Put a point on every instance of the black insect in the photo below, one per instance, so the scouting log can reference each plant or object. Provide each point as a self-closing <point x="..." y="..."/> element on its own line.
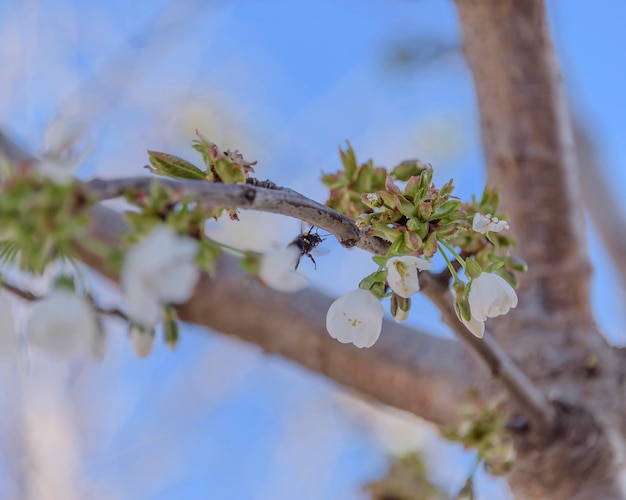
<point x="306" y="242"/>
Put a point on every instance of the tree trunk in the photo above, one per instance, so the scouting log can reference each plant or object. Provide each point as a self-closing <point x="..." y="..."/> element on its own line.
<point x="530" y="158"/>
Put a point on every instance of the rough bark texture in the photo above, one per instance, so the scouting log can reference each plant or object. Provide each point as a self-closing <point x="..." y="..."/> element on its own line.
<point x="529" y="153"/>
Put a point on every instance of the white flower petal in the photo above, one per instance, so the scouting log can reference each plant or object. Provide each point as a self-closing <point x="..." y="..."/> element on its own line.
<point x="278" y="270"/>
<point x="356" y="317"/>
<point x="56" y="171"/>
<point x="178" y="282"/>
<point x="141" y="341"/>
<point x="8" y="337"/>
<point x="402" y="274"/>
<point x="62" y="133"/>
<point x="475" y="326"/>
<point x="490" y="296"/>
<point x="63" y="150"/>
<point x="63" y="324"/>
<point x="401" y="315"/>
<point x="485" y="223"/>
<point x="160" y="269"/>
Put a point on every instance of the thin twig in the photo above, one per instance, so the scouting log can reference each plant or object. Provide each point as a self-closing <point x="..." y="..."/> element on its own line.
<point x="31" y="297"/>
<point x="281" y="201"/>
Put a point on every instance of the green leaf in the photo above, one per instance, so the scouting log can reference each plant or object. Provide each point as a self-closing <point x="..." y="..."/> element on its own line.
<point x="376" y="277"/>
<point x="228" y="172"/>
<point x="348" y="159"/>
<point x="445" y="209"/>
<point x="173" y="166"/>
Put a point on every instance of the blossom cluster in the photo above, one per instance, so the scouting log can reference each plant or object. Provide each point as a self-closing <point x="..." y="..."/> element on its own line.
<point x="44" y="216"/>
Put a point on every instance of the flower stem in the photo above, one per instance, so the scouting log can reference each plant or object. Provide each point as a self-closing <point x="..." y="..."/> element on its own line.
<point x="450" y="266"/>
<point x="450" y="249"/>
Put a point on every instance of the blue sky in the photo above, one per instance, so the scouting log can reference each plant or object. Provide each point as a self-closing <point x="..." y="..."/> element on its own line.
<point x="285" y="82"/>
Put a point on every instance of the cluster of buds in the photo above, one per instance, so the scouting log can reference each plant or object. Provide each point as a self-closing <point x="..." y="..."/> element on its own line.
<point x="483" y="428"/>
<point x="227" y="167"/>
<point x="419" y="220"/>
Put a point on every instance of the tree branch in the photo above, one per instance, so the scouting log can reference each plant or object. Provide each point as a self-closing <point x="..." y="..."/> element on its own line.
<point x="428" y="376"/>
<point x="599" y="200"/>
<point x="289" y="202"/>
<point x="107" y="227"/>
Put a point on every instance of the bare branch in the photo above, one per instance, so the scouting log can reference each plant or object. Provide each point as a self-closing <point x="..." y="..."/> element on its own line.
<point x="31" y="297"/>
<point x="599" y="200"/>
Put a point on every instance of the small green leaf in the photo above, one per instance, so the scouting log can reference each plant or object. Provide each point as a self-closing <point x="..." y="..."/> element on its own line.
<point x="445" y="209"/>
<point x="173" y="166"/>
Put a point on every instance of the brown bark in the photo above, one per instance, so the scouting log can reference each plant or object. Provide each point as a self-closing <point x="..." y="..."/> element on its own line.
<point x="528" y="148"/>
<point x="428" y="376"/>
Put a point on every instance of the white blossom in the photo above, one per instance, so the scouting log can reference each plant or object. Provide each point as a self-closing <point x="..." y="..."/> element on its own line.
<point x="142" y="341"/>
<point x="63" y="324"/>
<point x="402" y="274"/>
<point x="8" y="337"/>
<point x="485" y="223"/>
<point x="160" y="269"/>
<point x="490" y="296"/>
<point x="278" y="270"/>
<point x="63" y="152"/>
<point x="356" y="317"/>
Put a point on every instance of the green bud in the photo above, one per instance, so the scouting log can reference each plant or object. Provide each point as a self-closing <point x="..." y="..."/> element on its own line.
<point x="412" y="188"/>
<point x="464" y="309"/>
<point x="446" y="189"/>
<point x="517" y="264"/>
<point x="425" y="210"/>
<point x="170" y="327"/>
<point x="229" y="172"/>
<point x="376" y="277"/>
<point x="378" y="290"/>
<point x="208" y="253"/>
<point x="431" y="245"/>
<point x="348" y="159"/>
<point x="405" y="206"/>
<point x="472" y="269"/>
<point x="400" y="308"/>
<point x="494" y="266"/>
<point x="412" y="242"/>
<point x="445" y="209"/>
<point x="64" y="282"/>
<point x="408" y="169"/>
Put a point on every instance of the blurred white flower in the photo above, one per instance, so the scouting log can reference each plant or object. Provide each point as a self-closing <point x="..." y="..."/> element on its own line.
<point x="402" y="274"/>
<point x="485" y="223"/>
<point x="255" y="231"/>
<point x="63" y="150"/>
<point x="142" y="341"/>
<point x="8" y="337"/>
<point x="490" y="296"/>
<point x="63" y="324"/>
<point x="278" y="270"/>
<point x="356" y="317"/>
<point x="160" y="269"/>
